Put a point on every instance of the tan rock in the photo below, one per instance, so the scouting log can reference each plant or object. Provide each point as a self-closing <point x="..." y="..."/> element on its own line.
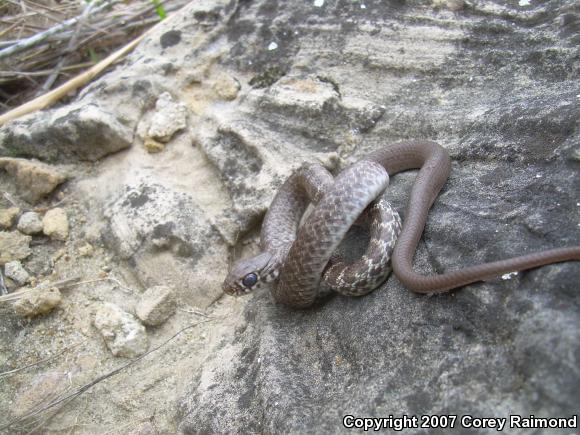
<point x="157" y="304"/>
<point x="37" y="302"/>
<point x="8" y="216"/>
<point x="13" y="246"/>
<point x="55" y="224"/>
<point x="226" y="87"/>
<point x="86" y="250"/>
<point x="152" y="146"/>
<point x="34" y="180"/>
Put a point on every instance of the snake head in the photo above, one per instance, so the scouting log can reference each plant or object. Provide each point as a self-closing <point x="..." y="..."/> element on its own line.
<point x="247" y="275"/>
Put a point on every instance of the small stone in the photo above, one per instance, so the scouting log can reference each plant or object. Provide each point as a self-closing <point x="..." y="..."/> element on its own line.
<point x="169" y="118"/>
<point x="55" y="224"/>
<point x="123" y="334"/>
<point x="30" y="223"/>
<point x="157" y="304"/>
<point x="152" y="146"/>
<point x="86" y="250"/>
<point x="226" y="87"/>
<point x="37" y="302"/>
<point x="16" y="272"/>
<point x="34" y="180"/>
<point x="13" y="246"/>
<point x="8" y="216"/>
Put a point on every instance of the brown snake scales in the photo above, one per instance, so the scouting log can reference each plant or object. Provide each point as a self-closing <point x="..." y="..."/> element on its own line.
<point x="299" y="258"/>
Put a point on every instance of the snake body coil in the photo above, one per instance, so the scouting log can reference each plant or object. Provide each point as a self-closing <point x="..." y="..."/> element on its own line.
<point x="300" y="260"/>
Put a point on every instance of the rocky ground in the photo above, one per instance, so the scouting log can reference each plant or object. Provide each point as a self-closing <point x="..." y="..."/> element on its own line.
<point x="126" y="207"/>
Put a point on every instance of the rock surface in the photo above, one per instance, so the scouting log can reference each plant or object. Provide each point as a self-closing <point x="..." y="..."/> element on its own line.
<point x="123" y="334"/>
<point x="34" y="180"/>
<point x="495" y="83"/>
<point x="157" y="304"/>
<point x="38" y="302"/>
<point x="347" y="80"/>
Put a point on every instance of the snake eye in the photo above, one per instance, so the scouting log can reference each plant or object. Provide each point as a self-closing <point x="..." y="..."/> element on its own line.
<point x="250" y="280"/>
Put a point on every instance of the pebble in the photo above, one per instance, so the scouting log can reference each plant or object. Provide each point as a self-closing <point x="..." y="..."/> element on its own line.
<point x="8" y="216"/>
<point x="157" y="304"/>
<point x="37" y="302"/>
<point x="16" y="272"/>
<point x="86" y="250"/>
<point x="123" y="334"/>
<point x="14" y="246"/>
<point x="30" y="223"/>
<point x="34" y="180"/>
<point x="55" y="224"/>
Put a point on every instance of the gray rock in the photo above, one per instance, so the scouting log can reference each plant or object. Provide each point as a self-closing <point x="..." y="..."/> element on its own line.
<point x="123" y="333"/>
<point x="156" y="305"/>
<point x="30" y="223"/>
<point x="16" y="272"/>
<point x="14" y="246"/>
<point x="507" y="112"/>
<point x="81" y="130"/>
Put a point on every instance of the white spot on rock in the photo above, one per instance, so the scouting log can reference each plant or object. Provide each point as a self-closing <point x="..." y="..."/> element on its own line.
<point x="170" y="117"/>
<point x="508" y="276"/>
<point x="524" y="2"/>
<point x="318" y="3"/>
<point x="272" y="46"/>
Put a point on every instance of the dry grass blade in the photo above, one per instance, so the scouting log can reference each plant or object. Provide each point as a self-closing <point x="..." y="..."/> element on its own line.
<point x="47" y="38"/>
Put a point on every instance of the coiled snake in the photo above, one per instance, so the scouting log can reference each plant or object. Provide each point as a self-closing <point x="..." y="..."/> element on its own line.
<point x="299" y="260"/>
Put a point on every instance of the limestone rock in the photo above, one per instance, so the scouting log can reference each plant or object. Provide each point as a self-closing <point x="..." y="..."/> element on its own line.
<point x="169" y="118"/>
<point x="8" y="216"/>
<point x="16" y="272"/>
<point x="55" y="224"/>
<point x="34" y="180"/>
<point x="38" y="302"/>
<point x="156" y="305"/>
<point x="123" y="334"/>
<point x="81" y="130"/>
<point x="30" y="223"/>
<point x="13" y="246"/>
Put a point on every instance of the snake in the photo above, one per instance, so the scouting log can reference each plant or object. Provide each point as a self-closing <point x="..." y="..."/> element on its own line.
<point x="297" y="258"/>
